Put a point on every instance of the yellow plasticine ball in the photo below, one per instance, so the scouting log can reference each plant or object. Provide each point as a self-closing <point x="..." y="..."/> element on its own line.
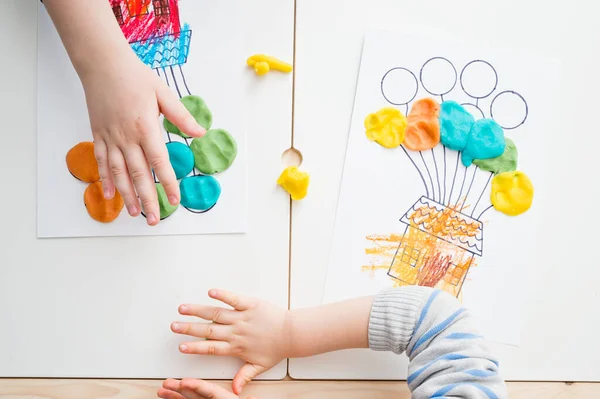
<point x="386" y="127"/>
<point x="295" y="182"/>
<point x="262" y="68"/>
<point x="512" y="193"/>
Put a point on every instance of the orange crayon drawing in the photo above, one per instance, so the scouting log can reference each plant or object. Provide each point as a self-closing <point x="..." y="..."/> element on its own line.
<point x="437" y="248"/>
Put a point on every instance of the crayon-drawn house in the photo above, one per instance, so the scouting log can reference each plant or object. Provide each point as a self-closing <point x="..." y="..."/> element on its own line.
<point x="154" y="30"/>
<point x="437" y="247"/>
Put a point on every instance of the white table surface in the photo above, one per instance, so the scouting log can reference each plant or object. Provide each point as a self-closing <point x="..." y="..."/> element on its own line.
<point x="102" y="307"/>
<point x="557" y="338"/>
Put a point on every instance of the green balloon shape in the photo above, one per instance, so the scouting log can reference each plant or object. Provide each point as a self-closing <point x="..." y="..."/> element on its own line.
<point x="199" y="110"/>
<point x="507" y="162"/>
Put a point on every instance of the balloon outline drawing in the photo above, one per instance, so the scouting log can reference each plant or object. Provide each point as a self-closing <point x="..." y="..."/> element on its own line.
<point x="443" y="229"/>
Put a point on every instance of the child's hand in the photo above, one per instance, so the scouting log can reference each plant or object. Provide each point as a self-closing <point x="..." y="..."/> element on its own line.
<point x="255" y="331"/>
<point x="194" y="389"/>
<point x="124" y="100"/>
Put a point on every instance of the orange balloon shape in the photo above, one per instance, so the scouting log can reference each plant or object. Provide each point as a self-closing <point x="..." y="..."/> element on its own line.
<point x="423" y="128"/>
<point x="81" y="162"/>
<point x="99" y="208"/>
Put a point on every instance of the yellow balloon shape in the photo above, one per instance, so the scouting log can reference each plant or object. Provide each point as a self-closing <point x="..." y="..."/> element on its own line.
<point x="386" y="127"/>
<point x="512" y="193"/>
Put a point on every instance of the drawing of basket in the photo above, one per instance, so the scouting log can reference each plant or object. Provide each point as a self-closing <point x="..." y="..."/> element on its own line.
<point x="438" y="246"/>
<point x="164" y="51"/>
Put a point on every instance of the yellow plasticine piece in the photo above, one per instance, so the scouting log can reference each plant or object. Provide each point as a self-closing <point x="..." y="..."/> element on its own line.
<point x="512" y="193"/>
<point x="265" y="63"/>
<point x="295" y="182"/>
<point x="386" y="127"/>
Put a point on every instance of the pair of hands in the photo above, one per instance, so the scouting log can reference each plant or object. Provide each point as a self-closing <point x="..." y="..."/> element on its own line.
<point x="253" y="330"/>
<point x="125" y="99"/>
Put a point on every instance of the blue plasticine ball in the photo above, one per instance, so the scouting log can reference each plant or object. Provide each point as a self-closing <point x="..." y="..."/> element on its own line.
<point x="181" y="157"/>
<point x="455" y="125"/>
<point x="199" y="193"/>
<point x="486" y="140"/>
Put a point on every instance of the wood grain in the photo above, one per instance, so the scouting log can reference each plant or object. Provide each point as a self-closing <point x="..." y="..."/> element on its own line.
<point x="144" y="389"/>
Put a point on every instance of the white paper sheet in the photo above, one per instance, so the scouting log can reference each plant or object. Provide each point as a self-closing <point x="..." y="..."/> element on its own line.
<point x="214" y="70"/>
<point x="381" y="185"/>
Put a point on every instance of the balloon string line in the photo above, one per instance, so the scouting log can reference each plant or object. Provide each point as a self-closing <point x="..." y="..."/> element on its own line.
<point x="437" y="175"/>
<point x="429" y="173"/>
<point x="454" y="178"/>
<point x="462" y="186"/>
<point x="470" y="186"/>
<point x="482" y="192"/>
<point x="418" y="170"/>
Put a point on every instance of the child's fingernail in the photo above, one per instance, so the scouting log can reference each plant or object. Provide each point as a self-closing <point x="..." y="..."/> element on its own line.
<point x="132" y="209"/>
<point x="173" y="199"/>
<point x="175" y="327"/>
<point x="183" y="309"/>
<point x="106" y="193"/>
<point x="183" y="348"/>
<point x="151" y="218"/>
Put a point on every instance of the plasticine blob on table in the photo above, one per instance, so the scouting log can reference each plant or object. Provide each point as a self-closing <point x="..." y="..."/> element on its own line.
<point x="455" y="124"/>
<point x="486" y="140"/>
<point x="386" y="127"/>
<point x="262" y="64"/>
<point x="423" y="125"/>
<point x="98" y="207"/>
<point x="199" y="110"/>
<point x="214" y="152"/>
<point x="82" y="164"/>
<point x="507" y="162"/>
<point x="512" y="193"/>
<point x="295" y="182"/>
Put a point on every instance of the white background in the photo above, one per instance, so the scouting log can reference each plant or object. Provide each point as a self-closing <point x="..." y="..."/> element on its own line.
<point x="102" y="307"/>
<point x="559" y="319"/>
<point x="63" y="122"/>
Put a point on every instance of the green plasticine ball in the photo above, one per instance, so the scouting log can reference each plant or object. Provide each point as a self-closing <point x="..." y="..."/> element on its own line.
<point x="166" y="209"/>
<point x="507" y="162"/>
<point x="199" y="110"/>
<point x="214" y="152"/>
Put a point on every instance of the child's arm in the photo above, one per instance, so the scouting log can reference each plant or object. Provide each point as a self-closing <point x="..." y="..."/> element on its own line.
<point x="124" y="99"/>
<point x="447" y="356"/>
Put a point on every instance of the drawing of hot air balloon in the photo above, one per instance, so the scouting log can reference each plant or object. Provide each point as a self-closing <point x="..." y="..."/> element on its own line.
<point x="155" y="33"/>
<point x="444" y="228"/>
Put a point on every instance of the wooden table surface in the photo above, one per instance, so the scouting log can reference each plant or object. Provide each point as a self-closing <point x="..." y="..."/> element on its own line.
<point x="138" y="389"/>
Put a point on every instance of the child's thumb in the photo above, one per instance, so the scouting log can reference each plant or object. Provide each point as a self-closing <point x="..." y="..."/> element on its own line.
<point x="244" y="375"/>
<point x="177" y="114"/>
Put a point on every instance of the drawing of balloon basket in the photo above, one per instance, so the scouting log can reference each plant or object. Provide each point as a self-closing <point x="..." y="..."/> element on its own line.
<point x="437" y="247"/>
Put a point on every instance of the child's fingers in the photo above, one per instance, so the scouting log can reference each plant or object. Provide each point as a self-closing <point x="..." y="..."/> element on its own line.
<point x="101" y="154"/>
<point x="211" y="348"/>
<point x="210" y="313"/>
<point x="237" y="302"/>
<point x="158" y="157"/>
<point x="173" y="390"/>
<point x="120" y="176"/>
<point x="244" y="375"/>
<point x="212" y="331"/>
<point x="176" y="113"/>
<point x="206" y="389"/>
<point x="167" y="394"/>
<point x="142" y="180"/>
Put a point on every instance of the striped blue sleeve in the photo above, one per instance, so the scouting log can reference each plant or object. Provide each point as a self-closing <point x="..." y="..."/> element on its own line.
<point x="448" y="357"/>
